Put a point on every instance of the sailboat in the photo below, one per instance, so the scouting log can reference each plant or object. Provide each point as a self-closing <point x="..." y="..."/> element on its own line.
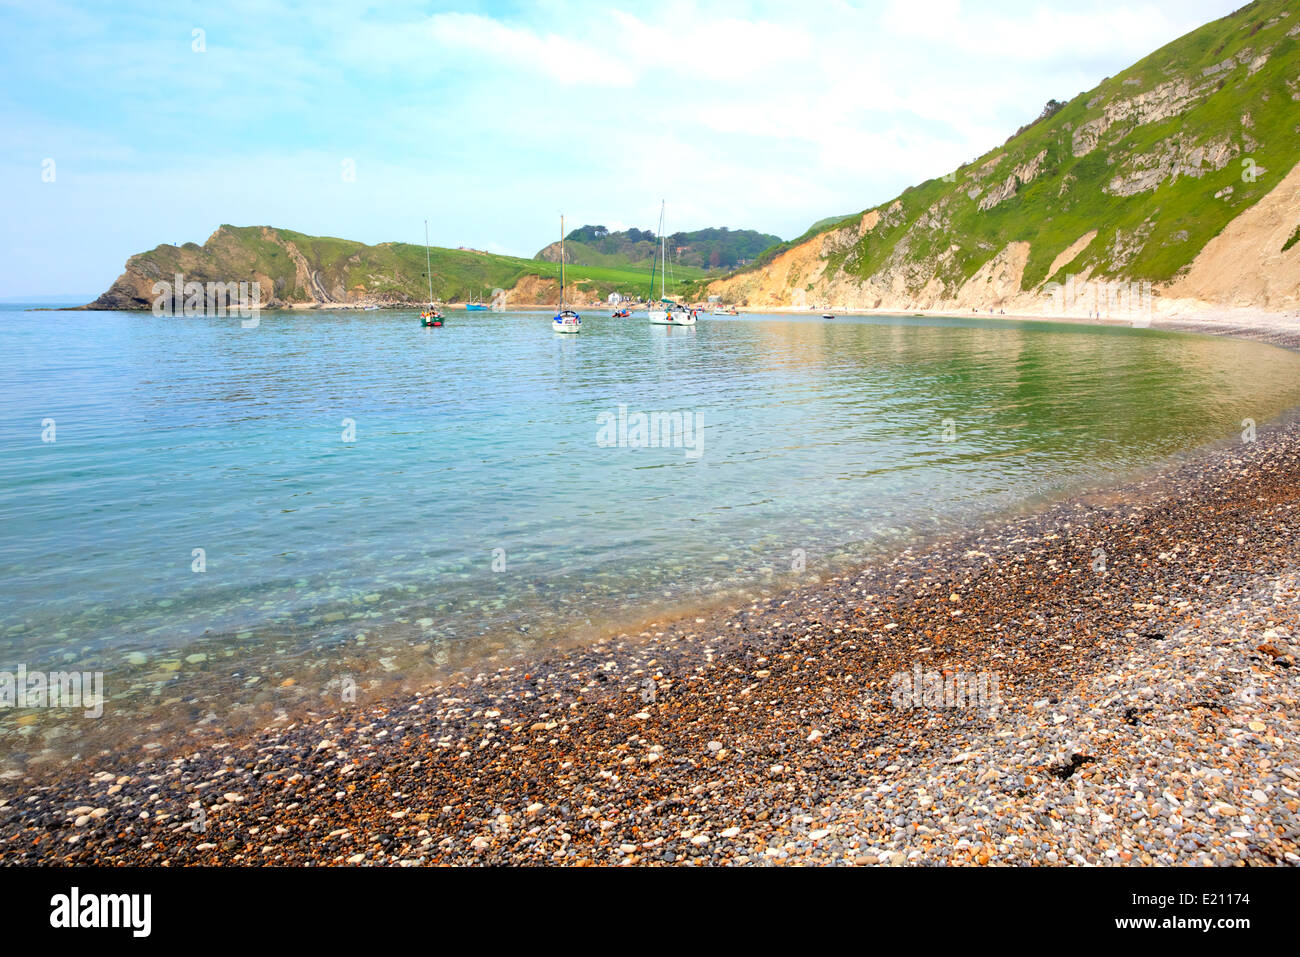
<point x="477" y="305"/>
<point x="431" y="317"/>
<point x="665" y="313"/>
<point x="566" y="320"/>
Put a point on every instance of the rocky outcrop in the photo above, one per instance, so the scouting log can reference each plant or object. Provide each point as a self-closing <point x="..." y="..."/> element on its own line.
<point x="131" y="290"/>
<point x="1166" y="100"/>
<point x="304" y="276"/>
<point x="1173" y="157"/>
<point x="1020" y="176"/>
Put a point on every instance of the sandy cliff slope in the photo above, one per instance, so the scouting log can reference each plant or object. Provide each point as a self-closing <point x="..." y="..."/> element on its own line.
<point x="1180" y="172"/>
<point x="1245" y="264"/>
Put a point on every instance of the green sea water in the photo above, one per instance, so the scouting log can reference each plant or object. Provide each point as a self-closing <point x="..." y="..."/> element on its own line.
<point x="231" y="518"/>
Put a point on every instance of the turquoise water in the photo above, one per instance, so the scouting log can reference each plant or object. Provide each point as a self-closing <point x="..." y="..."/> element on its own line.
<point x="479" y="446"/>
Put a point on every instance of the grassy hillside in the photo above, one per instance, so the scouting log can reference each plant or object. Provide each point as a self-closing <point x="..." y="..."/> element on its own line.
<point x="1156" y="161"/>
<point x="692" y="253"/>
<point x="295" y="268"/>
<point x="398" y="269"/>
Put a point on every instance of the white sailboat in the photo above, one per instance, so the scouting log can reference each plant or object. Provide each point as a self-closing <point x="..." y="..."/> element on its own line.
<point x="663" y="312"/>
<point x="566" y="320"/>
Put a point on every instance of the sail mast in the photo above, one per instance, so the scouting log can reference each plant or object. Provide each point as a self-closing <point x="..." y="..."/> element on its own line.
<point x="653" y="264"/>
<point x="663" y="248"/>
<point x="428" y="267"/>
<point x="561" y="263"/>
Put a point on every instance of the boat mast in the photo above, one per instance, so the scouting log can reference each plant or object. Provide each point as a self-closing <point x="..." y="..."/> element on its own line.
<point x="653" y="266"/>
<point x="561" y="264"/>
<point x="663" y="248"/>
<point x="428" y="268"/>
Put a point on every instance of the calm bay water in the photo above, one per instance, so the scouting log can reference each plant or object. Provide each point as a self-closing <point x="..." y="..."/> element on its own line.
<point x="476" y="446"/>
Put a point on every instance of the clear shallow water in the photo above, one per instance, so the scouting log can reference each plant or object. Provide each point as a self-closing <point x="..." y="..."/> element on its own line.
<point x="375" y="557"/>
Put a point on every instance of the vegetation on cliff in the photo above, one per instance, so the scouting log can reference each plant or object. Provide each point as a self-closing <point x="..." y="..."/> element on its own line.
<point x="692" y="253"/>
<point x="1151" y="164"/>
<point x="294" y="268"/>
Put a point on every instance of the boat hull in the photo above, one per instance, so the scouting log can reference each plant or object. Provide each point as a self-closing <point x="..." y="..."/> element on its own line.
<point x="660" y="317"/>
<point x="568" y="323"/>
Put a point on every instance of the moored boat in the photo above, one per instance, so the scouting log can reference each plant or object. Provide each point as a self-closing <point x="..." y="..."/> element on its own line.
<point x="429" y="318"/>
<point x="672" y="314"/>
<point x="566" y="320"/>
<point x="665" y="312"/>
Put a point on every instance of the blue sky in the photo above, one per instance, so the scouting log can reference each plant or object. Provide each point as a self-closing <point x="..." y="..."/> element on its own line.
<point x="490" y="119"/>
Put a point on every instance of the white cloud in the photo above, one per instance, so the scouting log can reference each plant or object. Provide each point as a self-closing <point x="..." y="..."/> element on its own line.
<point x="1042" y="33"/>
<point x="554" y="55"/>
<point x="679" y="52"/>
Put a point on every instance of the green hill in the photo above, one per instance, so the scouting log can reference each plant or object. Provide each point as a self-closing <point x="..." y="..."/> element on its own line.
<point x="1130" y="180"/>
<point x="823" y="224"/>
<point x="691" y="253"/>
<point x="297" y="269"/>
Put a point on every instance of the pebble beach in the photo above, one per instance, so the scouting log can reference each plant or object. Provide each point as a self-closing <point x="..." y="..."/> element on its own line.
<point x="1110" y="681"/>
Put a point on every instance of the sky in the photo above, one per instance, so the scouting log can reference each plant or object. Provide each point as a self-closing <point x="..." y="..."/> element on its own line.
<point x="128" y="124"/>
